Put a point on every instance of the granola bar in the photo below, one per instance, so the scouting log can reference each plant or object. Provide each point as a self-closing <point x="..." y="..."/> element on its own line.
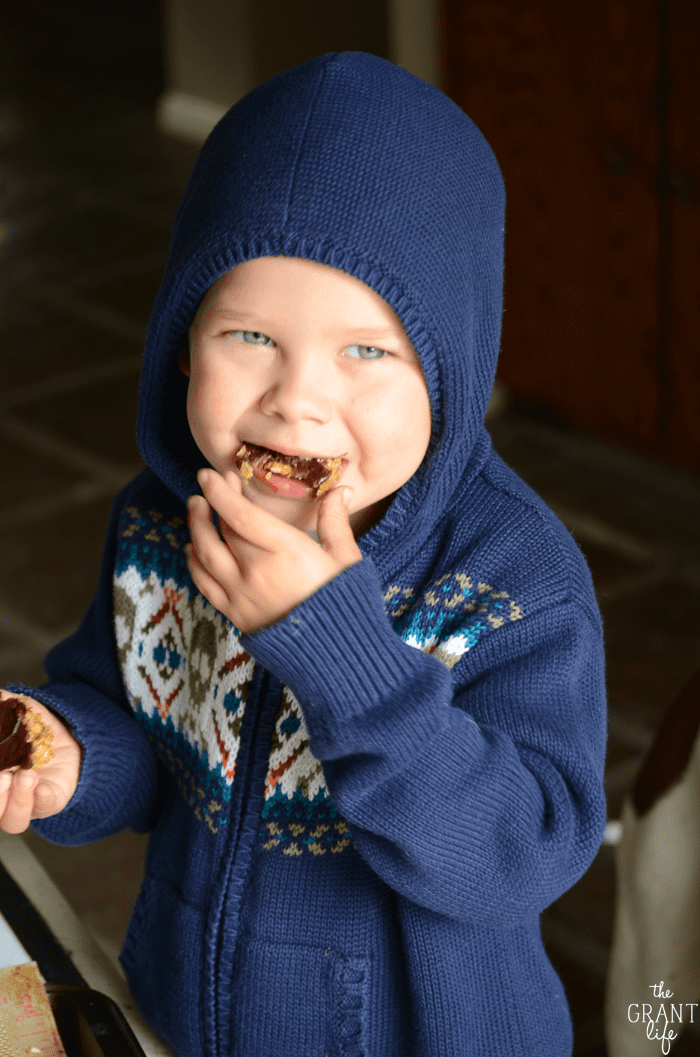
<point x="25" y="741"/>
<point x="318" y="474"/>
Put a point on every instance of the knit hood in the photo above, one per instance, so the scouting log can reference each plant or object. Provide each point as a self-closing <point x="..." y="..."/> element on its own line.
<point x="350" y="161"/>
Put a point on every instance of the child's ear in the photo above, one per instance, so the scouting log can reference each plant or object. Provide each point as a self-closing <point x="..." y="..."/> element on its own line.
<point x="183" y="358"/>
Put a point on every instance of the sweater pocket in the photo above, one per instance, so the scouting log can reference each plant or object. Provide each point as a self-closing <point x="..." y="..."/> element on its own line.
<point x="300" y="1001"/>
<point x="162" y="962"/>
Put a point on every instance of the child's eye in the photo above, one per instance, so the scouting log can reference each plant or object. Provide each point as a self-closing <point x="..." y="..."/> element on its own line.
<point x="365" y="352"/>
<point x="252" y="337"/>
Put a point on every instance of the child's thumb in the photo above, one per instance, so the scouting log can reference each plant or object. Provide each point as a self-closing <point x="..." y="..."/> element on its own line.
<point x="333" y="528"/>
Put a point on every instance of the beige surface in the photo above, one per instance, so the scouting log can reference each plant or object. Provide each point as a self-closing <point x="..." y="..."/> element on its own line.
<point x="89" y="959"/>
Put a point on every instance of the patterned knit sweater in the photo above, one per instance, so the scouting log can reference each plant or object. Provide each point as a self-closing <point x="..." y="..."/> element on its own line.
<point x="357" y="814"/>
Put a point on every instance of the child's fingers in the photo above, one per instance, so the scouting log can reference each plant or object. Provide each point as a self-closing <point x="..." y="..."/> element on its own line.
<point x="253" y="524"/>
<point x="233" y="481"/>
<point x="212" y="553"/>
<point x="5" y="786"/>
<point x="203" y="580"/>
<point x="19" y="802"/>
<point x="334" y="531"/>
<point x="47" y="800"/>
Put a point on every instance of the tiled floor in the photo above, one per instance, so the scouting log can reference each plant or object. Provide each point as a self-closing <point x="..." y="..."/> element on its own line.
<point x="87" y="193"/>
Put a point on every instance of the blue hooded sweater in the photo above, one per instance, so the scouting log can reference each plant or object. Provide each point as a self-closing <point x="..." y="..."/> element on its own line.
<point x="357" y="814"/>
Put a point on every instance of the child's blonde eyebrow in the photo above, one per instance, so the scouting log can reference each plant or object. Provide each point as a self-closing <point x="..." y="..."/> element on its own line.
<point x="369" y="333"/>
<point x="374" y="334"/>
<point x="240" y="315"/>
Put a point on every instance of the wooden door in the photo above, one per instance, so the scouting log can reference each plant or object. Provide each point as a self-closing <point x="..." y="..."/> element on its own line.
<point x="593" y="112"/>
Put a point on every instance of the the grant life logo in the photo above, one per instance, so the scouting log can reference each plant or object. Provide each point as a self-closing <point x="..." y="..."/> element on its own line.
<point x="657" y="1021"/>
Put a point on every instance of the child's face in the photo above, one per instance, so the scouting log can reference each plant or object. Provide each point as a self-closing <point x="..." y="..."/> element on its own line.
<point x="302" y="358"/>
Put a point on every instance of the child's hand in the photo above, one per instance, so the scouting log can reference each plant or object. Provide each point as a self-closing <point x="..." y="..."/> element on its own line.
<point x="37" y="793"/>
<point x="265" y="567"/>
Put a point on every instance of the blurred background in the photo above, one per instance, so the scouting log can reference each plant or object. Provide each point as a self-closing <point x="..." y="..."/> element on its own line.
<point x="592" y="111"/>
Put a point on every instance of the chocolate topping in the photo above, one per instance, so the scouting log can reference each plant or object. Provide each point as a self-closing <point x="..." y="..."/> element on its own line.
<point x="318" y="474"/>
<point x="24" y="740"/>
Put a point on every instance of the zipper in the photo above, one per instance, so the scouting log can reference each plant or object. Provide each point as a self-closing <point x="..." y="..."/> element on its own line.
<point x="221" y="936"/>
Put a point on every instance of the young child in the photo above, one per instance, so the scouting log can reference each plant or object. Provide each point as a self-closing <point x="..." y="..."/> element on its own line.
<point x="367" y="732"/>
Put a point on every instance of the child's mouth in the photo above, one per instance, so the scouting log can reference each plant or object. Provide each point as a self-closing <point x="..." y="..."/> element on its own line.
<point x="293" y="476"/>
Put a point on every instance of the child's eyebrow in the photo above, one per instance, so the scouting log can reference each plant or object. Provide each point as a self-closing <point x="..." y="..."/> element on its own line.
<point x="239" y="315"/>
<point x="370" y="333"/>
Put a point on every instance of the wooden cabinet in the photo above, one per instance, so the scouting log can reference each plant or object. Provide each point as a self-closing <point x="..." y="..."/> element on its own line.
<point x="594" y="114"/>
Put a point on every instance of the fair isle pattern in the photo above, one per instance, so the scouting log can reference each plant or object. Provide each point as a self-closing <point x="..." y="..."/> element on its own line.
<point x="450" y="616"/>
<point x="185" y="673"/>
<point x="298" y="815"/>
<point x="447" y="619"/>
<point x="187" y="679"/>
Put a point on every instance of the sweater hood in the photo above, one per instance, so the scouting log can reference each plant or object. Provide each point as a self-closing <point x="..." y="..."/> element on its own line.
<point x="350" y="161"/>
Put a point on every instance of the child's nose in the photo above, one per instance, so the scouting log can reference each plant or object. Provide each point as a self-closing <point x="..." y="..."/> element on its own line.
<point x="299" y="391"/>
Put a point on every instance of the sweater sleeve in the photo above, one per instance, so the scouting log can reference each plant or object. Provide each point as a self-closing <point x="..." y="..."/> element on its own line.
<point x="476" y="792"/>
<point x="118" y="783"/>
